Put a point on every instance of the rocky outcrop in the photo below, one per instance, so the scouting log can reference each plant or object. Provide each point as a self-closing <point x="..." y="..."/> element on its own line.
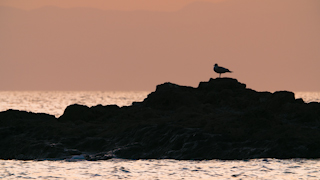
<point x="220" y="119"/>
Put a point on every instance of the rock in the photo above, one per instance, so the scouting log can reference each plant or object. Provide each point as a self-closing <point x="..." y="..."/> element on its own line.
<point x="91" y="144"/>
<point x="170" y="96"/>
<point x="219" y="84"/>
<point x="78" y="112"/>
<point x="75" y="112"/>
<point x="220" y="119"/>
<point x="279" y="98"/>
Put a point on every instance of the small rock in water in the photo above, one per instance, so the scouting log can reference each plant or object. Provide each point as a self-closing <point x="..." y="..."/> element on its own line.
<point x="124" y="170"/>
<point x="236" y="175"/>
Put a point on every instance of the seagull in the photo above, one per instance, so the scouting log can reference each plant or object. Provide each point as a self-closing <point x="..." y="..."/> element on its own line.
<point x="220" y="70"/>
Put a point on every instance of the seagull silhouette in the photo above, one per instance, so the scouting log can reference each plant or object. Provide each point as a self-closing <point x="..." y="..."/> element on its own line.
<point x="219" y="69"/>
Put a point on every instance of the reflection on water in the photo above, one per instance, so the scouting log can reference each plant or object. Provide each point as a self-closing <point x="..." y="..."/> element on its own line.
<point x="54" y="103"/>
<point x="308" y="96"/>
<point x="161" y="169"/>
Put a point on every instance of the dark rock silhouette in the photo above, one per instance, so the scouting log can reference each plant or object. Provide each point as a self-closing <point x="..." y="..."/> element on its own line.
<point x="220" y="119"/>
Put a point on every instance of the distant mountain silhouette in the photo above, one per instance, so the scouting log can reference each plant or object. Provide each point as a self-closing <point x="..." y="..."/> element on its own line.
<point x="89" y="49"/>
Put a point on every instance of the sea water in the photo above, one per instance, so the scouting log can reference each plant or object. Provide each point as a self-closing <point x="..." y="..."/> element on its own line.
<point x="77" y="168"/>
<point x="54" y="103"/>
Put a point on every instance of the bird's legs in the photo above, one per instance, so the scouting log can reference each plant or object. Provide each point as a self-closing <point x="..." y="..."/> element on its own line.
<point x="219" y="75"/>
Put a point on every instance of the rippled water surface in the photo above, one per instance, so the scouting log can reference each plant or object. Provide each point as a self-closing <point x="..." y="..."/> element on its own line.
<point x="308" y="96"/>
<point x="55" y="102"/>
<point x="161" y="169"/>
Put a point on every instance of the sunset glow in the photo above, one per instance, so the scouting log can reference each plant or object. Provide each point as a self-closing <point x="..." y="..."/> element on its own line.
<point x="123" y="5"/>
<point x="135" y="45"/>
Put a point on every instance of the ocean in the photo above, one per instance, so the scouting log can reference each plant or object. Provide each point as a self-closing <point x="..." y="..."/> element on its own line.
<point x="77" y="167"/>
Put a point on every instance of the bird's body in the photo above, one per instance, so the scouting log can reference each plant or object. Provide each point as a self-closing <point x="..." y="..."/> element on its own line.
<point x="219" y="69"/>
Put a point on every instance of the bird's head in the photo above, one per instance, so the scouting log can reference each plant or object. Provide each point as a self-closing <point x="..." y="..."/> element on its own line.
<point x="215" y="64"/>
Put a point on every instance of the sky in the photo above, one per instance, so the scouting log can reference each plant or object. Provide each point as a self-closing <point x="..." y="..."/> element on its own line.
<point x="133" y="45"/>
<point x="122" y="5"/>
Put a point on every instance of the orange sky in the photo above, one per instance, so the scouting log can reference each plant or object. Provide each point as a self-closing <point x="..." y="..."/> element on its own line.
<point x="268" y="44"/>
<point x="151" y="5"/>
